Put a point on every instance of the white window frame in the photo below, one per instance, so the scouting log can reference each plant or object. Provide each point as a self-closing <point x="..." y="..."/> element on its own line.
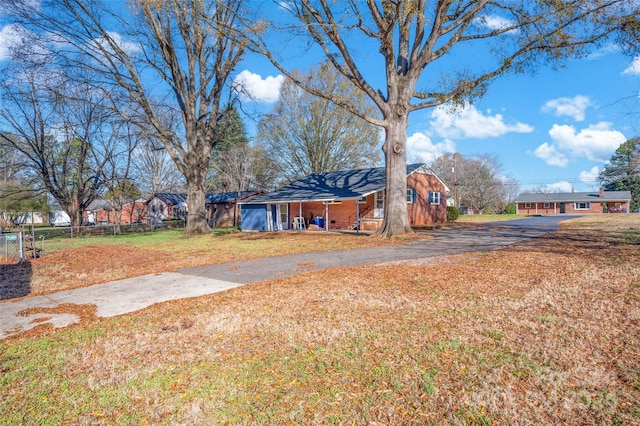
<point x="378" y="205"/>
<point x="527" y="205"/>
<point x="434" y="198"/>
<point x="546" y="206"/>
<point x="409" y="196"/>
<point x="585" y="205"/>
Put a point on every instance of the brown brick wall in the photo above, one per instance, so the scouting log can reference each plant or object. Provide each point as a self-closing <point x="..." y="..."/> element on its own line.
<point x="219" y="215"/>
<point x="343" y="215"/>
<point x="569" y="208"/>
<point x="421" y="212"/>
<point x="131" y="212"/>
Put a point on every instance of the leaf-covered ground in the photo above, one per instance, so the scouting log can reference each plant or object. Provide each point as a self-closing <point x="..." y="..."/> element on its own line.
<point x="543" y="332"/>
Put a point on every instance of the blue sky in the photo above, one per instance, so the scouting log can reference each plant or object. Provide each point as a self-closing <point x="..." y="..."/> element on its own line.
<point x="554" y="128"/>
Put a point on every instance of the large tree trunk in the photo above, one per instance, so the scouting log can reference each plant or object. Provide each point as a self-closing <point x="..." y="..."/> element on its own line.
<point x="196" y="193"/>
<point x="396" y="218"/>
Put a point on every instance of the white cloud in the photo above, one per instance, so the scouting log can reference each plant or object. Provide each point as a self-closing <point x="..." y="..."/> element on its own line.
<point x="494" y="22"/>
<point x="590" y="176"/>
<point x="421" y="148"/>
<point x="253" y="86"/>
<point x="551" y="156"/>
<point x="471" y="123"/>
<point x="126" y="46"/>
<point x="634" y="67"/>
<point x="573" y="107"/>
<point x="10" y="36"/>
<point x="561" y="186"/>
<point x="596" y="143"/>
<point x="604" y="51"/>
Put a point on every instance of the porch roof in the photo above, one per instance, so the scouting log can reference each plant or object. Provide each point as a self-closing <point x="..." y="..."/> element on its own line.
<point x="332" y="186"/>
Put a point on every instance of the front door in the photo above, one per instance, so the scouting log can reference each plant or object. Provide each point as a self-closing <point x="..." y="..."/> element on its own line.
<point x="284" y="216"/>
<point x="378" y="209"/>
<point x="562" y="208"/>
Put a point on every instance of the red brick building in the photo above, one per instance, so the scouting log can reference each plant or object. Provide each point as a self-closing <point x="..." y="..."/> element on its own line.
<point x="352" y="199"/>
<point x="574" y="202"/>
<point x="101" y="212"/>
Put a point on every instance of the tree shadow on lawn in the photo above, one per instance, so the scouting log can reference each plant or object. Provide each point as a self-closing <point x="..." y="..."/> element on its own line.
<point x="580" y="241"/>
<point x="15" y="280"/>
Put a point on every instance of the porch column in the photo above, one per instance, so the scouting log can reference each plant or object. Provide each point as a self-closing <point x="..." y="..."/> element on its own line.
<point x="326" y="216"/>
<point x="300" y="214"/>
<point x="357" y="216"/>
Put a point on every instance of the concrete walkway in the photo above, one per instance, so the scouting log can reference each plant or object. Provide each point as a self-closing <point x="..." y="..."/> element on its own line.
<point x="124" y="296"/>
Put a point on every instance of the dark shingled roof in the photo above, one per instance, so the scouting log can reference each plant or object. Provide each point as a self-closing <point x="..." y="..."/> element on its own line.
<point x="216" y="198"/>
<point x="229" y="197"/>
<point x="573" y="197"/>
<point x="172" y="197"/>
<point x="331" y="186"/>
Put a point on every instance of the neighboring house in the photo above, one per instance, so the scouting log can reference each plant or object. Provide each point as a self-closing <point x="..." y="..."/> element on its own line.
<point x="221" y="207"/>
<point x="161" y="205"/>
<point x="574" y="202"/>
<point x="28" y="218"/>
<point x="101" y="212"/>
<point x="352" y="199"/>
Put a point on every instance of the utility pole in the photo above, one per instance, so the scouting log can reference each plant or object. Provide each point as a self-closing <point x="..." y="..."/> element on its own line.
<point x="455" y="181"/>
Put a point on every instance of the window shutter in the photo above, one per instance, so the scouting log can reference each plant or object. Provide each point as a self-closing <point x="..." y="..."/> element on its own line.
<point x="415" y="196"/>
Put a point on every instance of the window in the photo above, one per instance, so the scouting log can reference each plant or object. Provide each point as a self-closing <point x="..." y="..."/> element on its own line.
<point x="409" y="195"/>
<point x="546" y="205"/>
<point x="582" y="206"/>
<point x="527" y="205"/>
<point x="363" y="200"/>
<point x="378" y="210"/>
<point x="434" y="197"/>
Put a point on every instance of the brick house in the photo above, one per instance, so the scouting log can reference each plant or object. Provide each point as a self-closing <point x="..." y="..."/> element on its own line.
<point x="574" y="202"/>
<point x="221" y="207"/>
<point x="352" y="199"/>
<point x="101" y="212"/>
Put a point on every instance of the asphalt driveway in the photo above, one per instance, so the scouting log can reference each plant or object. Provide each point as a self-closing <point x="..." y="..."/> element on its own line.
<point x="485" y="237"/>
<point x="119" y="297"/>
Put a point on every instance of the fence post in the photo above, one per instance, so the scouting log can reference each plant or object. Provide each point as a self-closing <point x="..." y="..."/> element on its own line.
<point x="20" y="253"/>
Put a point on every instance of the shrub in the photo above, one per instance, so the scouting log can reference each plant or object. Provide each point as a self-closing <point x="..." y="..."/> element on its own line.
<point x="510" y="209"/>
<point x="452" y="213"/>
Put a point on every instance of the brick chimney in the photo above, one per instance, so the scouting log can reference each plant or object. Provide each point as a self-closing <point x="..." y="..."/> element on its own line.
<point x="601" y="192"/>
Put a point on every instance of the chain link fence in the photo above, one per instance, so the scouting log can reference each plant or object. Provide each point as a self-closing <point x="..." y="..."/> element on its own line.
<point x="94" y="230"/>
<point x="11" y="246"/>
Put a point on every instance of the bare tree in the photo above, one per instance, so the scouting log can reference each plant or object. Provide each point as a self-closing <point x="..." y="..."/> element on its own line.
<point x="182" y="51"/>
<point x="118" y="168"/>
<point x="58" y="127"/>
<point x="416" y="41"/>
<point x="308" y="134"/>
<point x="480" y="186"/>
<point x="477" y="182"/>
<point x="154" y="171"/>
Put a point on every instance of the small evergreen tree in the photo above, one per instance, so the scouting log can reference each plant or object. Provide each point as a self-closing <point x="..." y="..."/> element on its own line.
<point x="623" y="171"/>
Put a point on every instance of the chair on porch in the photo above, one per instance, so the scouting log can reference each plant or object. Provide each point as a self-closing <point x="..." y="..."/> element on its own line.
<point x="298" y="223"/>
